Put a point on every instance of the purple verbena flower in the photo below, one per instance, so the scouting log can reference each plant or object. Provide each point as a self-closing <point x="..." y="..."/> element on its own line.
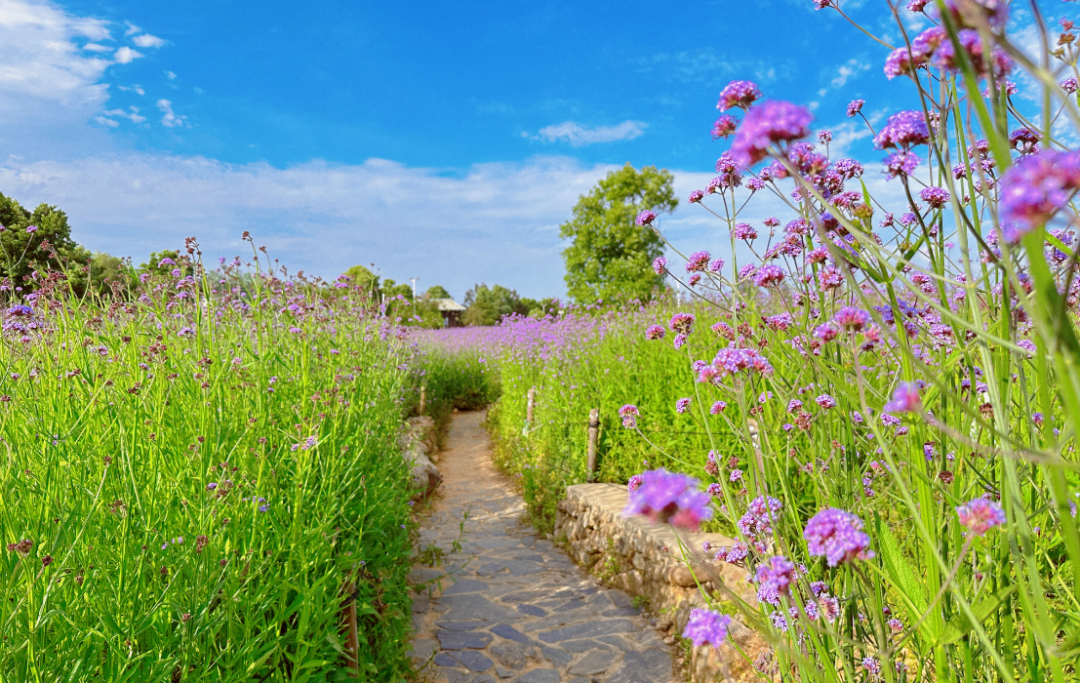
<point x="681" y="405"/>
<point x="629" y="414"/>
<point x="980" y="515"/>
<point x="646" y="217"/>
<point x="855" y="107"/>
<point x="669" y="497"/>
<point x="769" y="275"/>
<point x="706" y="626"/>
<point x="904" y="129"/>
<point x="936" y="197"/>
<point x="1035" y="188"/>
<point x="770" y="122"/>
<point x="838" y="536"/>
<point x="738" y="94"/>
<point x="774" y="579"/>
<point x="905" y="399"/>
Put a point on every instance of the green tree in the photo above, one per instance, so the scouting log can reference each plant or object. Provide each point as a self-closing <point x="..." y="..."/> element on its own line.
<point x="437" y="292"/>
<point x="487" y="305"/>
<point x="164" y="262"/>
<point x="37" y="241"/>
<point x="610" y="256"/>
<point x="364" y="278"/>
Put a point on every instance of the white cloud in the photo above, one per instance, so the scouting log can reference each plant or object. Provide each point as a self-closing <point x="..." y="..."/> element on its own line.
<point x="852" y="68"/>
<point x="132" y="114"/>
<point x="106" y="122"/>
<point x="147" y="40"/>
<point x="94" y="47"/>
<point x="170" y="75"/>
<point x="131" y="29"/>
<point x="126" y="55"/>
<point x="578" y="135"/>
<point x="170" y="119"/>
<point x="39" y="57"/>
<point x="132" y="88"/>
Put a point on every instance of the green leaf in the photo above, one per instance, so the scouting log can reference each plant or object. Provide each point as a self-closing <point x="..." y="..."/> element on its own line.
<point x="960" y="625"/>
<point x="904" y="578"/>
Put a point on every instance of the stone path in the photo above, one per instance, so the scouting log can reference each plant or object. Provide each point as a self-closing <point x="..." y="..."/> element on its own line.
<point x="513" y="606"/>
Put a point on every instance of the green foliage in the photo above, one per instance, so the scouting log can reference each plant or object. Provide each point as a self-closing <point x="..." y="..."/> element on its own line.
<point x="437" y="292"/>
<point x="117" y="422"/>
<point x="452" y="380"/>
<point x="48" y="246"/>
<point x="166" y="261"/>
<point x="487" y="305"/>
<point x="610" y="257"/>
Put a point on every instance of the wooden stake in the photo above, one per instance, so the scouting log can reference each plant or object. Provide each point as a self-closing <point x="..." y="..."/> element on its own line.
<point x="594" y="433"/>
<point x="529" y="405"/>
<point x="423" y="399"/>
<point x="349" y="630"/>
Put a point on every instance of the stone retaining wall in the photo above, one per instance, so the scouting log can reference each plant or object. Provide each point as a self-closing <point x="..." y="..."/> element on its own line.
<point x="645" y="560"/>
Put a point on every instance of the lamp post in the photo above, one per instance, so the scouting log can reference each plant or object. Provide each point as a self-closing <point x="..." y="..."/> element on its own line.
<point x="414" y="279"/>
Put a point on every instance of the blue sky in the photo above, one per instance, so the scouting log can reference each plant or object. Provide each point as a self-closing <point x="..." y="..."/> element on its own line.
<point x="445" y="142"/>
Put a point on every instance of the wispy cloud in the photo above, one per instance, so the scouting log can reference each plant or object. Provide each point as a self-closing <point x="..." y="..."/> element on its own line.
<point x="170" y="119"/>
<point x="132" y="114"/>
<point x="706" y="65"/>
<point x="126" y="55"/>
<point x="147" y="40"/>
<point x="578" y="135"/>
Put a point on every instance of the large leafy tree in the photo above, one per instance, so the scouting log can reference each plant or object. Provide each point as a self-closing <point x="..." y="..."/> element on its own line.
<point x="487" y="305"/>
<point x="610" y="256"/>
<point x="36" y="242"/>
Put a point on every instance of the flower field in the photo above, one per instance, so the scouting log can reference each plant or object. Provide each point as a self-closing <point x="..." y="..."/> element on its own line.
<point x="876" y="397"/>
<point x="195" y="474"/>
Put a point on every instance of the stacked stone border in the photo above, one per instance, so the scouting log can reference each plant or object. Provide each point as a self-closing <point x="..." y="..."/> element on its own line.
<point x="645" y="560"/>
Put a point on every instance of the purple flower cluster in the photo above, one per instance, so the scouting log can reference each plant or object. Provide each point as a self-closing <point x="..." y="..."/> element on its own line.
<point x="980" y="515"/>
<point x="838" y="536"/>
<point x="904" y="130"/>
<point x="851" y="318"/>
<point x="905" y="399"/>
<point x="768" y="123"/>
<point x="646" y="217"/>
<point x="669" y="497"/>
<point x="1035" y="188"/>
<point x="629" y="414"/>
<point x="936" y="197"/>
<point x="706" y="626"/>
<point x="697" y="262"/>
<point x="757" y="524"/>
<point x="769" y="275"/>
<point x="774" y="579"/>
<point x="731" y="360"/>
<point x="738" y="94"/>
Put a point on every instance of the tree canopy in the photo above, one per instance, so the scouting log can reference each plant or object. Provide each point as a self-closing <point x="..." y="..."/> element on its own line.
<point x="487" y="305"/>
<point x="437" y="292"/>
<point x="610" y="256"/>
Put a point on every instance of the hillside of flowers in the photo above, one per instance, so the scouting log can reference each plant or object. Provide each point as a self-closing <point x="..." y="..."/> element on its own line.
<point x="877" y="396"/>
<point x="199" y="472"/>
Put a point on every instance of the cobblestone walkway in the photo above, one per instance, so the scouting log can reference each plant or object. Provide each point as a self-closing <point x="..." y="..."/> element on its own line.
<point x="514" y="607"/>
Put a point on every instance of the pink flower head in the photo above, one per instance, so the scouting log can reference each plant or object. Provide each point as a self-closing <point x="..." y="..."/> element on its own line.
<point x="980" y="514"/>
<point x="717" y="408"/>
<point x="855" y="107"/>
<point x="646" y="218"/>
<point x="905" y="399"/>
<point x="629" y="415"/>
<point x="838" y="536"/>
<point x="770" y="122"/>
<point x="682" y="323"/>
<point x="635" y="482"/>
<point x="724" y="126"/>
<point x="1070" y="85"/>
<point x="682" y="405"/>
<point x="936" y="197"/>
<point x="744" y="231"/>
<point x="670" y="498"/>
<point x="851" y="318"/>
<point x="696" y="196"/>
<point x="706" y="626"/>
<point x="697" y="262"/>
<point x="769" y="275"/>
<point x="825" y="401"/>
<point x="654" y="332"/>
<point x="738" y="94"/>
<point x="900" y="164"/>
<point x="659" y="265"/>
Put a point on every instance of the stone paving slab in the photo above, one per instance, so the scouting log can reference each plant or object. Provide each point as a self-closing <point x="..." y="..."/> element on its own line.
<point x="513" y="607"/>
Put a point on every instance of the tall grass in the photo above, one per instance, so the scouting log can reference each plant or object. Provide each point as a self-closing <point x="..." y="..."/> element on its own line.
<point x="192" y="473"/>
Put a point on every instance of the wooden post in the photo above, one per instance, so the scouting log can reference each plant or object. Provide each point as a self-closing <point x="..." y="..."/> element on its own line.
<point x="594" y="432"/>
<point x="349" y="630"/>
<point x="529" y="405"/>
<point x="423" y="399"/>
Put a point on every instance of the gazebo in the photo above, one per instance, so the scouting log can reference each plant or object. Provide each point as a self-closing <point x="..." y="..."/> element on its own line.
<point x="451" y="312"/>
